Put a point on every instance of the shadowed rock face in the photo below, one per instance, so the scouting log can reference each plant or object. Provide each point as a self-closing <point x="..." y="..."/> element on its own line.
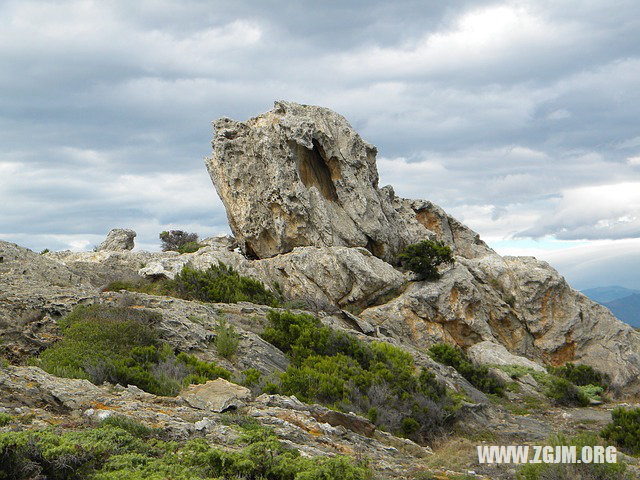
<point x="301" y="176"/>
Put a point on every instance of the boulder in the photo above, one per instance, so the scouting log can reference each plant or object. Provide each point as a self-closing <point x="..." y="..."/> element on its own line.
<point x="350" y="421"/>
<point x="216" y="395"/>
<point x="299" y="175"/>
<point x="118" y="239"/>
<point x="329" y="275"/>
<point x="490" y="353"/>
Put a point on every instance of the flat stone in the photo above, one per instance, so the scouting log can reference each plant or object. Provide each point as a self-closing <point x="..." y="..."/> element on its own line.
<point x="216" y="395"/>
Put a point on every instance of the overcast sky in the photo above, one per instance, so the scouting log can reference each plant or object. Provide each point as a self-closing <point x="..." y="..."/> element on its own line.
<point x="519" y="118"/>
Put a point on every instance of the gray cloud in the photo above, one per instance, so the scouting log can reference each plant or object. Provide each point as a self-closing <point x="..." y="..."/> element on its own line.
<point x="519" y="117"/>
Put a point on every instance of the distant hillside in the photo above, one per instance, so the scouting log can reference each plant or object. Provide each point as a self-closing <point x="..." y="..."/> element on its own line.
<point x="626" y="309"/>
<point x="607" y="294"/>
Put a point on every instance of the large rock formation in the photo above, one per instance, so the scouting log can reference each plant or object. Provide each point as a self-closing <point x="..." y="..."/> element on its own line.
<point x="301" y="176"/>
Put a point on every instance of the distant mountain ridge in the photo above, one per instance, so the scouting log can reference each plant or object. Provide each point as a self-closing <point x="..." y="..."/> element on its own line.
<point x="626" y="309"/>
<point x="623" y="302"/>
<point x="609" y="293"/>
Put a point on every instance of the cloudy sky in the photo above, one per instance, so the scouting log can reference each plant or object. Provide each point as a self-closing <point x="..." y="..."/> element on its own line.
<point x="519" y="118"/>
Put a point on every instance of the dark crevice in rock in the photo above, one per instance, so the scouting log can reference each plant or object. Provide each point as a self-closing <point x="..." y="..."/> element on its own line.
<point x="376" y="248"/>
<point x="316" y="170"/>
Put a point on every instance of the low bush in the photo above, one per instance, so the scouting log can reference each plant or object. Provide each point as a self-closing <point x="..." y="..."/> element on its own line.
<point x="425" y="257"/>
<point x="5" y="419"/>
<point x="624" y="430"/>
<point x="119" y="345"/>
<point x="227" y="340"/>
<point x="217" y="284"/>
<point x="563" y="392"/>
<point x="222" y="284"/>
<point x="111" y="452"/>
<point x="477" y="375"/>
<point x="134" y="427"/>
<point x="581" y="375"/>
<point x="376" y="380"/>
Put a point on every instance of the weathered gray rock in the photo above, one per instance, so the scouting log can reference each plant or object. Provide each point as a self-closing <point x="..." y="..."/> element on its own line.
<point x="118" y="239"/>
<point x="32" y="387"/>
<point x="490" y="353"/>
<point x="520" y="303"/>
<point x="216" y="395"/>
<point x="329" y="275"/>
<point x="220" y="242"/>
<point x="35" y="290"/>
<point x="301" y="176"/>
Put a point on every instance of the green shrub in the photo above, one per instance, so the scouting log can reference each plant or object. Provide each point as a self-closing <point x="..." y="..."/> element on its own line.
<point x="409" y="426"/>
<point x="189" y="247"/>
<point x="227" y="340"/>
<point x="424" y="258"/>
<point x="129" y="424"/>
<point x="5" y="419"/>
<point x="563" y="392"/>
<point x="177" y="239"/>
<point x="516" y="371"/>
<point x="624" y="430"/>
<point x="593" y="392"/>
<point x="222" y="284"/>
<point x="251" y="377"/>
<point x="377" y="380"/>
<point x="477" y="375"/>
<point x="581" y="375"/>
<point x="119" y="345"/>
<point x="111" y="452"/>
<point x="217" y="284"/>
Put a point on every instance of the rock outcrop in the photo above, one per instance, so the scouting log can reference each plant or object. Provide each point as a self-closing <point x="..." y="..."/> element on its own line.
<point x="35" y="290"/>
<point x="489" y="353"/>
<point x="118" y="239"/>
<point x="301" y="176"/>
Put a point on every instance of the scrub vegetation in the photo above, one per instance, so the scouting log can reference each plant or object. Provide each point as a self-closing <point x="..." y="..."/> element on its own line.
<point x="377" y="380"/>
<point x="217" y="284"/>
<point x="123" y="449"/>
<point x="477" y="375"/>
<point x="120" y="345"/>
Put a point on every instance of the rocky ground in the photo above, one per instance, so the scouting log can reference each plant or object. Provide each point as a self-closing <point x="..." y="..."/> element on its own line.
<point x="35" y="399"/>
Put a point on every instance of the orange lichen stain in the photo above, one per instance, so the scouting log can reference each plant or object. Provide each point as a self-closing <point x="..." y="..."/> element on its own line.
<point x="453" y="298"/>
<point x="430" y="221"/>
<point x="544" y="314"/>
<point x="566" y="353"/>
<point x="414" y="322"/>
<point x="312" y="430"/>
<point x="102" y="406"/>
<point x="31" y="384"/>
<point x="344" y="449"/>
